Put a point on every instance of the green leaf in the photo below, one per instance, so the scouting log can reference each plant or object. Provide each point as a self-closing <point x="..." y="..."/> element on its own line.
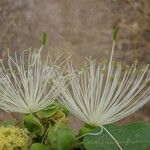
<point x="135" y="136"/>
<point x="53" y="131"/>
<point x="65" y="138"/>
<point x="51" y="136"/>
<point x="8" y="123"/>
<point x="48" y="111"/>
<point x="115" y="32"/>
<point x="33" y="124"/>
<point x="43" y="38"/>
<point x="39" y="146"/>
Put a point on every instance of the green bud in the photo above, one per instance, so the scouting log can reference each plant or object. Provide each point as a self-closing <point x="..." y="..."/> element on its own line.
<point x="43" y="38"/>
<point x="115" y="32"/>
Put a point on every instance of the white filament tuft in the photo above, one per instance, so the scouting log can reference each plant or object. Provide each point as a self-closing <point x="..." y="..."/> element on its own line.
<point x="103" y="93"/>
<point x="26" y="83"/>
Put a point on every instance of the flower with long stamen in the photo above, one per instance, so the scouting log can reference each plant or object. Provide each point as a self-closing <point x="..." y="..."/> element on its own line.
<point x="104" y="93"/>
<point x="26" y="83"/>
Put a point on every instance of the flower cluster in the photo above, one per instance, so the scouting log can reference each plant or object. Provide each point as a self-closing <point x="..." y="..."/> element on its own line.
<point x="13" y="138"/>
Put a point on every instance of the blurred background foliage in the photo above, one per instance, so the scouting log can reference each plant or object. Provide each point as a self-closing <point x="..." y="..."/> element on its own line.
<point x="82" y="27"/>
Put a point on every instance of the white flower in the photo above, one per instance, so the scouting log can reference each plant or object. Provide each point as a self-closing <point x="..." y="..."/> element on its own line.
<point x="105" y="93"/>
<point x="26" y="84"/>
